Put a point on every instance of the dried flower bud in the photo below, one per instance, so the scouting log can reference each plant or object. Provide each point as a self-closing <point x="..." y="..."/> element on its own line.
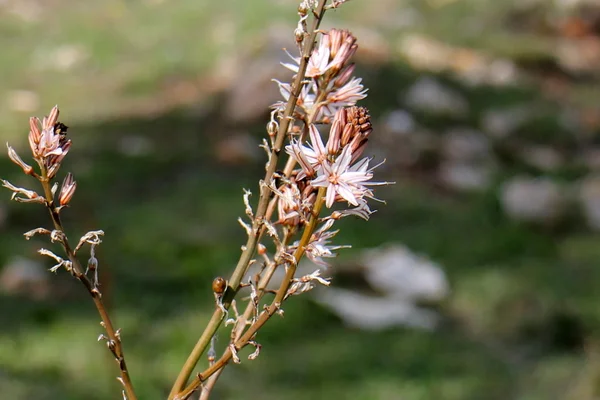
<point x="288" y="205"/>
<point x="30" y="195"/>
<point x="303" y="8"/>
<point x="272" y="128"/>
<point x="309" y="197"/>
<point x="219" y="285"/>
<point x="299" y="35"/>
<point x="67" y="190"/>
<point x="358" y="124"/>
<point x="14" y="157"/>
<point x="261" y="249"/>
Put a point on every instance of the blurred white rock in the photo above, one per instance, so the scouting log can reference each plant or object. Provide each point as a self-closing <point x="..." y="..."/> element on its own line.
<point x="501" y="123"/>
<point x="135" y="145"/>
<point x="578" y="55"/>
<point x="533" y="199"/>
<point x="63" y="57"/>
<point x="401" y="279"/>
<point x="28" y="11"/>
<point x="460" y="175"/>
<point x="68" y="56"/>
<point x="423" y="52"/>
<point x="400" y="273"/>
<point x="399" y="123"/>
<point x="545" y="158"/>
<point x="23" y="100"/>
<point x="429" y="95"/>
<point x="465" y="144"/>
<point x="375" y="313"/>
<point x="471" y="66"/>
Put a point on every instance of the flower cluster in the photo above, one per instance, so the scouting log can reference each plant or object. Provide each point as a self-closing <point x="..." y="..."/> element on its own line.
<point x="331" y="85"/>
<point x="333" y="165"/>
<point x="328" y="96"/>
<point x="49" y="145"/>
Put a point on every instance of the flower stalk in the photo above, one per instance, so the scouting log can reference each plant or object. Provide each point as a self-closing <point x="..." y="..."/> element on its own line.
<point x="322" y="89"/>
<point x="49" y="146"/>
<point x="265" y="195"/>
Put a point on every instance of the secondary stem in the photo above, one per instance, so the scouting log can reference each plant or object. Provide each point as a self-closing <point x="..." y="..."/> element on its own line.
<point x="78" y="272"/>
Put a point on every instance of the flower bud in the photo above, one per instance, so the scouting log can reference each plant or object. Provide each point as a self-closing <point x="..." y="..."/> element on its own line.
<point x="334" y="142"/>
<point x="358" y="126"/>
<point x="344" y="76"/>
<point x="261" y="249"/>
<point x="49" y="121"/>
<point x="288" y="205"/>
<point x="342" y="48"/>
<point x="67" y="190"/>
<point x="14" y="157"/>
<point x="272" y="128"/>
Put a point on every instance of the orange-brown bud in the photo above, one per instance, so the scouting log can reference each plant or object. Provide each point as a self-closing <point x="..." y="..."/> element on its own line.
<point x="219" y="285"/>
<point x="261" y="249"/>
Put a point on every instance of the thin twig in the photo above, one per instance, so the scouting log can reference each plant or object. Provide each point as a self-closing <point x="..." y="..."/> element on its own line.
<point x="208" y="386"/>
<point x="265" y="195"/>
<point x="114" y="339"/>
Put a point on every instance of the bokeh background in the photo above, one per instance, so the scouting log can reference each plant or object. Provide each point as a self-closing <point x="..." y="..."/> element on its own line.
<point x="479" y="279"/>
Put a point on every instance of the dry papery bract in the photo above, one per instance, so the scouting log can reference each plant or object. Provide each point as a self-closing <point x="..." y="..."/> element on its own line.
<point x="320" y="131"/>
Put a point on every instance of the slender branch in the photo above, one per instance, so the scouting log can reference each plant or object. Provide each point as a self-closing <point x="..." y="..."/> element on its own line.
<point x="265" y="195"/>
<point x="114" y="339"/>
<point x="210" y="384"/>
<point x="273" y="308"/>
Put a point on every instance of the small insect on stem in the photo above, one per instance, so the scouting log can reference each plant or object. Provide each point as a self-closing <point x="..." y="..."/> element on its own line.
<point x="219" y="285"/>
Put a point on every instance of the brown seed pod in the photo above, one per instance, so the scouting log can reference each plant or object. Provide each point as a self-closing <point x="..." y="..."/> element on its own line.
<point x="219" y="285"/>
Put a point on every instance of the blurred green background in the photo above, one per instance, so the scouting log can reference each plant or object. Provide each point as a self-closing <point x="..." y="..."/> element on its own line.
<point x="487" y="112"/>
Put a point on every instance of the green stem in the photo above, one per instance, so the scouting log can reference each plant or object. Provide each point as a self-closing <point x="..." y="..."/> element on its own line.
<point x="271" y="309"/>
